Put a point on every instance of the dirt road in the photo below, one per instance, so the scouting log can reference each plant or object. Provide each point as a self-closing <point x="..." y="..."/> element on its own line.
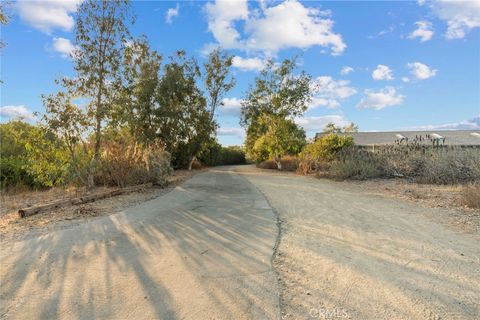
<point x="204" y="251"/>
<point x="346" y="254"/>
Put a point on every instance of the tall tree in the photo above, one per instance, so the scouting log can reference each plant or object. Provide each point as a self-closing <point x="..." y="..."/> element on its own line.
<point x="182" y="119"/>
<point x="135" y="104"/>
<point x="278" y="95"/>
<point x="100" y="34"/>
<point x="218" y="80"/>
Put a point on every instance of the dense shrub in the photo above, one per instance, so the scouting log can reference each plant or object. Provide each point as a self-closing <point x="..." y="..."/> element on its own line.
<point x="327" y="147"/>
<point x="215" y="154"/>
<point x="31" y="156"/>
<point x="322" y="151"/>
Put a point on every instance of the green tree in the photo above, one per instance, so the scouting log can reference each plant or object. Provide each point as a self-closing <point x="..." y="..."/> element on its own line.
<point x="270" y="105"/>
<point x="100" y="35"/>
<point x="183" y="121"/>
<point x="218" y="80"/>
<point x="281" y="137"/>
<point x="135" y="104"/>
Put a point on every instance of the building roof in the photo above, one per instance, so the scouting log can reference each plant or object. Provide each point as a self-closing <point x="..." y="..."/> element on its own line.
<point x="445" y="137"/>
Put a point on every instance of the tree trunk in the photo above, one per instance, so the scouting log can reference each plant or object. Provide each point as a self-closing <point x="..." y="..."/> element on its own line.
<point x="279" y="163"/>
<point x="191" y="163"/>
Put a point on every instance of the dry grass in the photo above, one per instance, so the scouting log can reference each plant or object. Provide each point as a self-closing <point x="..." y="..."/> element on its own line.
<point x="471" y="196"/>
<point x="423" y="165"/>
<point x="12" y="225"/>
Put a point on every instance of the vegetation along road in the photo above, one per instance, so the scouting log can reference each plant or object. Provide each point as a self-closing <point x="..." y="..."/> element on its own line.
<point x="242" y="243"/>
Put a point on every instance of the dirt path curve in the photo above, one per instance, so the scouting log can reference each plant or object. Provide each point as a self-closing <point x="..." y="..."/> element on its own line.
<point x="203" y="251"/>
<point x="347" y="254"/>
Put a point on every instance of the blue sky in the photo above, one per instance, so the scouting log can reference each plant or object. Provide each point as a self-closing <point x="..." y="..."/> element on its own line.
<point x="385" y="65"/>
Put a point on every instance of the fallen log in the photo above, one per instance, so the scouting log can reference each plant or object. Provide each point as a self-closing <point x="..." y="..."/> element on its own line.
<point x="30" y="211"/>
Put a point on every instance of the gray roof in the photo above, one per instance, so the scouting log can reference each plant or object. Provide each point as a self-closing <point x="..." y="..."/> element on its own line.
<point x="446" y="137"/>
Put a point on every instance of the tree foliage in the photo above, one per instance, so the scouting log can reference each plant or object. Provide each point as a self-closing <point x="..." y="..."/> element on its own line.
<point x="101" y="31"/>
<point x="281" y="137"/>
<point x="183" y="121"/>
<point x="135" y="103"/>
<point x="218" y="78"/>
<point x="269" y="108"/>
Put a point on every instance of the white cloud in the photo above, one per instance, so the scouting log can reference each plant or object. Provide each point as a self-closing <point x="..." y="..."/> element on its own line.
<point x="471" y="124"/>
<point x="424" y="31"/>
<point x="49" y="14"/>
<point x="317" y="123"/>
<point x="461" y="16"/>
<point x="248" y="64"/>
<point x="385" y="97"/>
<point x="270" y="29"/>
<point x="329" y="92"/>
<point x="172" y="13"/>
<point x="63" y="46"/>
<point x="221" y="18"/>
<point x="16" y="112"/>
<point x="346" y="70"/>
<point x="231" y="106"/>
<point x="405" y="79"/>
<point x="382" y="72"/>
<point x="231" y="131"/>
<point x="421" y="71"/>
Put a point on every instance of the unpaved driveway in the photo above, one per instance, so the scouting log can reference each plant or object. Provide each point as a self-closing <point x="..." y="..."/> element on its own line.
<point x="203" y="251"/>
<point x="347" y="254"/>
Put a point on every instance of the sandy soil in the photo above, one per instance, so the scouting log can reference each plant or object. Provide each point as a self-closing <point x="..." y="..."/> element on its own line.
<point x="13" y="226"/>
<point x="347" y="253"/>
